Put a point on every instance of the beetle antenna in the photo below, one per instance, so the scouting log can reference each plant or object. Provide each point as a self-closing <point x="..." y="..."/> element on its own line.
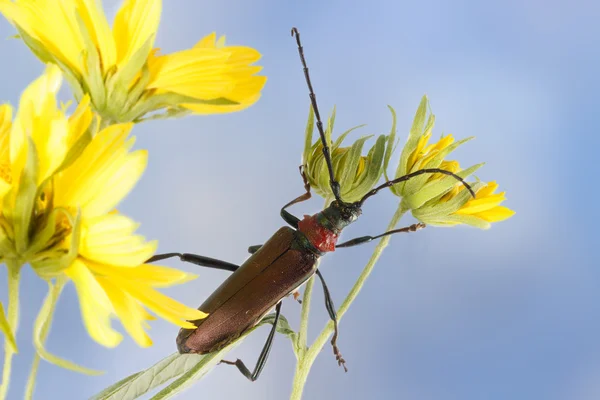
<point x="335" y="186"/>
<point x="412" y="175"/>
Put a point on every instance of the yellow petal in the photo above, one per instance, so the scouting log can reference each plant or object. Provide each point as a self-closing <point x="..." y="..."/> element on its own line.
<point x="5" y="167"/>
<point x="487" y="190"/>
<point x="79" y="121"/>
<point x="196" y="72"/>
<point x="129" y="311"/>
<point x="482" y="204"/>
<point x="92" y="15"/>
<point x="95" y="305"/>
<point x="109" y="239"/>
<point x="53" y="23"/>
<point x="209" y="41"/>
<point x="496" y="214"/>
<point x="164" y="306"/>
<point x="147" y="274"/>
<point x="104" y="173"/>
<point x="135" y="23"/>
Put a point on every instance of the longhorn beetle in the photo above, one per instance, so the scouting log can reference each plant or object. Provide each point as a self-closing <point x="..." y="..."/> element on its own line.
<point x="277" y="268"/>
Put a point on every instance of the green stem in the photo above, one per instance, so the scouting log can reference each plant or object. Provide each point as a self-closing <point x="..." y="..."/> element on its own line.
<point x="43" y="324"/>
<point x="302" y="334"/>
<point x="308" y="358"/>
<point x="14" y="268"/>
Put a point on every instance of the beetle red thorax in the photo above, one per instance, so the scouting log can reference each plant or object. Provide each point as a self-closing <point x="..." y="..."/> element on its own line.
<point x="318" y="235"/>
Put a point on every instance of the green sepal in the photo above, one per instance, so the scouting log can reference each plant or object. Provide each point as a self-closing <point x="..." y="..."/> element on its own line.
<point x="373" y="170"/>
<point x="419" y="128"/>
<point x="42" y="237"/>
<point x="93" y="78"/>
<point x="456" y="219"/>
<point x="391" y="143"/>
<point x="415" y="184"/>
<point x="123" y="95"/>
<point x="330" y="123"/>
<point x="25" y="199"/>
<point x="435" y="208"/>
<point x="42" y="326"/>
<point x="137" y="90"/>
<point x="124" y="76"/>
<point x="171" y="112"/>
<point x="348" y="168"/>
<point x="7" y="247"/>
<point x="437" y="187"/>
<point x="308" y="133"/>
<point x="7" y="330"/>
<point x="152" y="102"/>
<point x="75" y="151"/>
<point x="49" y="264"/>
<point x="38" y="49"/>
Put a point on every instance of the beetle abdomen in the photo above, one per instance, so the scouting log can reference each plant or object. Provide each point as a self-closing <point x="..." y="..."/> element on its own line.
<point x="250" y="292"/>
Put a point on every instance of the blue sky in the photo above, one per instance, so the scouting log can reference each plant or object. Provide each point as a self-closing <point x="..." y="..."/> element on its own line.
<point x="513" y="312"/>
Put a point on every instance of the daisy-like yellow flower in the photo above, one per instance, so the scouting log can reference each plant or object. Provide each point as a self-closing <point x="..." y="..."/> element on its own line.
<point x="356" y="173"/>
<point x="118" y="68"/>
<point x="438" y="199"/>
<point x="458" y="206"/>
<point x="61" y="178"/>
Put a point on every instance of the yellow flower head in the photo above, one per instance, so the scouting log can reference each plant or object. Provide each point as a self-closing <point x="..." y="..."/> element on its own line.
<point x="357" y="174"/>
<point x="119" y="69"/>
<point x="60" y="181"/>
<point x="438" y="199"/>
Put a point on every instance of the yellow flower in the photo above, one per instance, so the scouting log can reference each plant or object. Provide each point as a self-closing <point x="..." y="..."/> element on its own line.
<point x="439" y="199"/>
<point x="356" y="174"/>
<point x="418" y="154"/>
<point x="61" y="178"/>
<point x="459" y="207"/>
<point x="119" y="69"/>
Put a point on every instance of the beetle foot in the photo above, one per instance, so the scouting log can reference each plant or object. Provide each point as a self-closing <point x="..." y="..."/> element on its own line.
<point x="227" y="362"/>
<point x="296" y="295"/>
<point x="338" y="356"/>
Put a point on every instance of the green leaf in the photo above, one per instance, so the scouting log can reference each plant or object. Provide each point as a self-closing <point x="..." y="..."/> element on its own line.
<point x="7" y="330"/>
<point x="186" y="369"/>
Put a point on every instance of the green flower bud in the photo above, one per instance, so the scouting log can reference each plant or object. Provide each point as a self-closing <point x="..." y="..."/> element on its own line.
<point x="356" y="173"/>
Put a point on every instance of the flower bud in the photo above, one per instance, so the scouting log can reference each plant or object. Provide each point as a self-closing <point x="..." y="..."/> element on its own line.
<point x="356" y="173"/>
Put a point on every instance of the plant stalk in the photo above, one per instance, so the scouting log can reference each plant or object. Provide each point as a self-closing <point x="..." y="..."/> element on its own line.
<point x="14" y="269"/>
<point x="306" y="360"/>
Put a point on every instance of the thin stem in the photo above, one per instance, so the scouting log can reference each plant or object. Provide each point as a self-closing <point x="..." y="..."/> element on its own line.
<point x="303" y="332"/>
<point x="306" y="362"/>
<point x="43" y="324"/>
<point x="14" y="268"/>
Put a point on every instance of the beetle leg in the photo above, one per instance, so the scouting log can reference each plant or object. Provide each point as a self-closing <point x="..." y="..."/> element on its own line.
<point x="333" y="315"/>
<point x="365" y="239"/>
<point x="288" y="217"/>
<point x="196" y="259"/>
<point x="264" y="354"/>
